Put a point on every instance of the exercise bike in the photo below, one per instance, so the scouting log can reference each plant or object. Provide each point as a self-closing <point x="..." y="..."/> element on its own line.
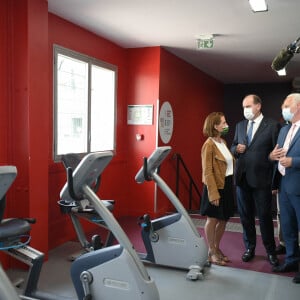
<point x="171" y="240"/>
<point x="82" y="209"/>
<point x="114" y="272"/>
<point x="15" y="237"/>
<point x="7" y="229"/>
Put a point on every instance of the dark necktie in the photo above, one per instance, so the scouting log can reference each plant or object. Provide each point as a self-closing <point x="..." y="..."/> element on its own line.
<point x="249" y="133"/>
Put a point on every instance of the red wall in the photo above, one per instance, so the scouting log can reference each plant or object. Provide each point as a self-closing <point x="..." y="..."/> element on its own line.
<point x="192" y="95"/>
<point x="4" y="80"/>
<point x="155" y="74"/>
<point x="27" y="34"/>
<point x="113" y="183"/>
<point x="143" y="88"/>
<point x="25" y="103"/>
<point x="4" y="92"/>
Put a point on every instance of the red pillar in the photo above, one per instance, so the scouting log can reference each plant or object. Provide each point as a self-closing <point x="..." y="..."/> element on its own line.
<point x="26" y="101"/>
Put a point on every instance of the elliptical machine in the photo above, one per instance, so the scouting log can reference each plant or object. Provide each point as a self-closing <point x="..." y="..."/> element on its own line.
<point x="114" y="272"/>
<point x="172" y="240"/>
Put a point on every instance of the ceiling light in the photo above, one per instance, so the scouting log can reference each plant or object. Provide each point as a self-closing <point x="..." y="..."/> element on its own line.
<point x="281" y="72"/>
<point x="258" y="5"/>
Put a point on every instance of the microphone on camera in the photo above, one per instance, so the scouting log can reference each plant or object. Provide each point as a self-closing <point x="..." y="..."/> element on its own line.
<point x="285" y="55"/>
<point x="282" y="59"/>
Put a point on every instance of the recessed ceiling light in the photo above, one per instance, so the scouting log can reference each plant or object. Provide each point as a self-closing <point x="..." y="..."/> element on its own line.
<point x="258" y="5"/>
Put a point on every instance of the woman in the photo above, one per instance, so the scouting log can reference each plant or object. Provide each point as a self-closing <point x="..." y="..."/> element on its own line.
<point x="217" y="173"/>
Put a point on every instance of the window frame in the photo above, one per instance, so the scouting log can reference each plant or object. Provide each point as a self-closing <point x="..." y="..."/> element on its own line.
<point x="91" y="61"/>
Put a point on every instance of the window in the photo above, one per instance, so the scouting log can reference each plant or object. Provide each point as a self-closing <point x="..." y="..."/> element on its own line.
<point x="84" y="103"/>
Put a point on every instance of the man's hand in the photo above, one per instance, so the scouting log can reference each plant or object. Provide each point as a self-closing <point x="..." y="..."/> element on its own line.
<point x="240" y="148"/>
<point x="277" y="153"/>
<point x="286" y="161"/>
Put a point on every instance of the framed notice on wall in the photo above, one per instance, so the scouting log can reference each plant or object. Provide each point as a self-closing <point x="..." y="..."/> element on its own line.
<point x="140" y="114"/>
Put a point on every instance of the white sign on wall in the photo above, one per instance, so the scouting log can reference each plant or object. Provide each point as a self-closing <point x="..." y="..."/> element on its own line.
<point x="165" y="122"/>
<point x="140" y="114"/>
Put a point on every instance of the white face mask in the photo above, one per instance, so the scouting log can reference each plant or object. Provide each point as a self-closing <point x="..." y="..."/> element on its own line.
<point x="287" y="114"/>
<point x="248" y="113"/>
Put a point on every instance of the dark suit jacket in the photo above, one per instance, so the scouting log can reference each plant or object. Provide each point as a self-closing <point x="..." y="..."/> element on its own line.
<point x="292" y="174"/>
<point x="254" y="163"/>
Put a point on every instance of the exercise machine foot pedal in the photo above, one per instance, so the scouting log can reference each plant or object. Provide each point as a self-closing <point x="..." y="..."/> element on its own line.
<point x="195" y="273"/>
<point x="145" y="222"/>
<point x="86" y="279"/>
<point x="96" y="242"/>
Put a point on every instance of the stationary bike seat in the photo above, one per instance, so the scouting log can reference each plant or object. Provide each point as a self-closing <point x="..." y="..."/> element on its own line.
<point x="10" y="228"/>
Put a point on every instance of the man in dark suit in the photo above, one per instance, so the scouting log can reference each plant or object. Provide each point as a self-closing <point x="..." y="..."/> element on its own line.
<point x="287" y="181"/>
<point x="254" y="138"/>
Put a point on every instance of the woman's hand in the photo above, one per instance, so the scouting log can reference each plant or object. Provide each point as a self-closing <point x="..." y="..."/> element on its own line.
<point x="215" y="202"/>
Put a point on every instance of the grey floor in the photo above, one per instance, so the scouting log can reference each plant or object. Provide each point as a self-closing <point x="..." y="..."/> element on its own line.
<point x="219" y="283"/>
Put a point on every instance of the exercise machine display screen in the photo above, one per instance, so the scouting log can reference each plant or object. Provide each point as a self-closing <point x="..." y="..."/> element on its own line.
<point x="153" y="162"/>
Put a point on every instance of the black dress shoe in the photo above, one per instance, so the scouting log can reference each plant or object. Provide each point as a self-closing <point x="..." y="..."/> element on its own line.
<point x="280" y="249"/>
<point x="296" y="279"/>
<point x="248" y="255"/>
<point x="273" y="259"/>
<point x="285" y="268"/>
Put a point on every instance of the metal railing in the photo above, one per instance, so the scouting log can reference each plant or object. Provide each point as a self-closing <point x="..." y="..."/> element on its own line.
<point x="191" y="184"/>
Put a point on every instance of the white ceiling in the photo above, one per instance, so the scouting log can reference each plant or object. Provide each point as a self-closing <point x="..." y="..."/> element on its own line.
<point x="245" y="42"/>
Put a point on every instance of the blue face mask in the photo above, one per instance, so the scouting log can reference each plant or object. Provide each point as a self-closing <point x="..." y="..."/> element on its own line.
<point x="287" y="114"/>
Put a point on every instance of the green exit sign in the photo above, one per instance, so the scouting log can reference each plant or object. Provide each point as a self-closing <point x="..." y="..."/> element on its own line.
<point x="205" y="44"/>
